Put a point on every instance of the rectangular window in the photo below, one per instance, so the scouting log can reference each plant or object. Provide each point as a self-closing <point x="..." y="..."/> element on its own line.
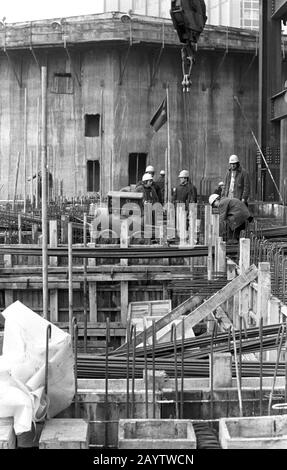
<point x="92" y="125"/>
<point x="62" y="83"/>
<point x="137" y="166"/>
<point x="93" y="176"/>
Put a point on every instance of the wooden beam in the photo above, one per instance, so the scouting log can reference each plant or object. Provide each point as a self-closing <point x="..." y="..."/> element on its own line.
<point x="280" y="10"/>
<point x="217" y="299"/>
<point x="181" y="309"/>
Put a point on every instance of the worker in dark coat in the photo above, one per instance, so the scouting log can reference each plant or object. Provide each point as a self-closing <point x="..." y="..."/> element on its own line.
<point x="150" y="169"/>
<point x="147" y="188"/>
<point x="161" y="184"/>
<point x="185" y="192"/>
<point x="237" y="181"/>
<point x="219" y="188"/>
<point x="233" y="216"/>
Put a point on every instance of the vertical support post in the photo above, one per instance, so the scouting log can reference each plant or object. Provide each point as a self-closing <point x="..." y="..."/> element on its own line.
<point x="44" y="192"/>
<point x="70" y="269"/>
<point x="31" y="185"/>
<point x="168" y="147"/>
<point x="37" y="156"/>
<point x="19" y="229"/>
<point x="181" y="223"/>
<point x="264" y="291"/>
<point x="9" y="296"/>
<point x="220" y="255"/>
<point x="215" y="227"/>
<point x="53" y="262"/>
<point x="25" y="148"/>
<point x="244" y="264"/>
<point x="192" y="229"/>
<point x="124" y="262"/>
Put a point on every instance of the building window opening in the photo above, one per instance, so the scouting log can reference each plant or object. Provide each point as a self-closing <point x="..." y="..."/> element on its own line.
<point x="93" y="176"/>
<point x="92" y="125"/>
<point x="63" y="83"/>
<point x="137" y="166"/>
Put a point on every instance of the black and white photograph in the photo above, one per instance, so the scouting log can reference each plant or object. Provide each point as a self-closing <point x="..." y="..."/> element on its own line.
<point x="143" y="231"/>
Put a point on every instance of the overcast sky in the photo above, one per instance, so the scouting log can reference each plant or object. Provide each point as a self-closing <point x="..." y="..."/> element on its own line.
<point x="29" y="10"/>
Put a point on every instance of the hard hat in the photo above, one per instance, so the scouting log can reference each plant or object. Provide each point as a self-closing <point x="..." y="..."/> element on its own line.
<point x="162" y="173"/>
<point x="221" y="183"/>
<point x="147" y="177"/>
<point x="234" y="159"/>
<point x="183" y="174"/>
<point x="213" y="198"/>
<point x="149" y="168"/>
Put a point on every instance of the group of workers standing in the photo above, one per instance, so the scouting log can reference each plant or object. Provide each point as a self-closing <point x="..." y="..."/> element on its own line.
<point x="154" y="190"/>
<point x="230" y="198"/>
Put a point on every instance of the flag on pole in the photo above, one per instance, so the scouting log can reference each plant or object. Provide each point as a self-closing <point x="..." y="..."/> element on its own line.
<point x="160" y="117"/>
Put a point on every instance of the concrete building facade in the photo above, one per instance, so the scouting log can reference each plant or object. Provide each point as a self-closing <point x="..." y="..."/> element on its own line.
<point x="106" y="78"/>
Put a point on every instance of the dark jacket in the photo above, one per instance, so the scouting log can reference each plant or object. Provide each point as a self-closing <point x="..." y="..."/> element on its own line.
<point x="161" y="184"/>
<point x="149" y="193"/>
<point x="233" y="212"/>
<point x="185" y="193"/>
<point x="241" y="186"/>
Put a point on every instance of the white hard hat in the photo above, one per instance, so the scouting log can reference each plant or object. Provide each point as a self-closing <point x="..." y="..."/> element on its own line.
<point x="213" y="198"/>
<point x="147" y="177"/>
<point x="162" y="172"/>
<point x="221" y="183"/>
<point x="149" y="168"/>
<point x="183" y="174"/>
<point x="234" y="159"/>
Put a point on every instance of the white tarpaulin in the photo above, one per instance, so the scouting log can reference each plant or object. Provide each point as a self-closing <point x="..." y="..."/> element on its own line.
<point x="22" y="369"/>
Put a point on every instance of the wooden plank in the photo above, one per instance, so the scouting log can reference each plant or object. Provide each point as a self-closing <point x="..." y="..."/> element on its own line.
<point x="219" y="298"/>
<point x="181" y="309"/>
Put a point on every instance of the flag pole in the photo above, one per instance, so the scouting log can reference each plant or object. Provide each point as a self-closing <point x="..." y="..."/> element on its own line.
<point x="168" y="146"/>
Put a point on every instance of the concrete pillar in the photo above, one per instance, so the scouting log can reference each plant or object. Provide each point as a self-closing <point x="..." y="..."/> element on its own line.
<point x="222" y="370"/>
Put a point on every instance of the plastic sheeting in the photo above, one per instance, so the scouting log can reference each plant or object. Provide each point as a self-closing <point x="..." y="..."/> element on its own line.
<point x="22" y="369"/>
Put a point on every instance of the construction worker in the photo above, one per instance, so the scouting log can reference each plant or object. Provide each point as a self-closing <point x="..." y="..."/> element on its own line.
<point x="219" y="188"/>
<point x="147" y="188"/>
<point x="237" y="181"/>
<point x="185" y="192"/>
<point x="161" y="183"/>
<point x="233" y="216"/>
<point x="150" y="169"/>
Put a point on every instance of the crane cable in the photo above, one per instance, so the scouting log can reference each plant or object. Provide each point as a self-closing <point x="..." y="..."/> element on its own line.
<point x="259" y="148"/>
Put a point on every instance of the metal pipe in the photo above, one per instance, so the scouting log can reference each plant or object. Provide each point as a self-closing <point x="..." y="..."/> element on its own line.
<point x="128" y="372"/>
<point x="48" y="336"/>
<point x="107" y="380"/>
<point x="173" y="339"/>
<point x="240" y="350"/>
<point x="275" y="371"/>
<point x="261" y="367"/>
<point x="182" y="369"/>
<point x="44" y="192"/>
<point x="153" y="367"/>
<point x="75" y="332"/>
<point x="237" y="374"/>
<point x="85" y="286"/>
<point x="211" y="372"/>
<point x="133" y="337"/>
<point x="70" y="269"/>
<point x="145" y="372"/>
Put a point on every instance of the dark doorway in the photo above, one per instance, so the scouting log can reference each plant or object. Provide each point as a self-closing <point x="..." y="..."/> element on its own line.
<point x="93" y="176"/>
<point x="137" y="166"/>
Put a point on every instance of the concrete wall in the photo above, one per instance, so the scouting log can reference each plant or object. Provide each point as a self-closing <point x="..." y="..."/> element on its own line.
<point x="206" y="125"/>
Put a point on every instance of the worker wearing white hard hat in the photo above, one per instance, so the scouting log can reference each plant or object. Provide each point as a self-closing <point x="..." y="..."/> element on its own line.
<point x="150" y="169"/>
<point x="147" y="189"/>
<point x="233" y="216"/>
<point x="237" y="181"/>
<point x="185" y="192"/>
